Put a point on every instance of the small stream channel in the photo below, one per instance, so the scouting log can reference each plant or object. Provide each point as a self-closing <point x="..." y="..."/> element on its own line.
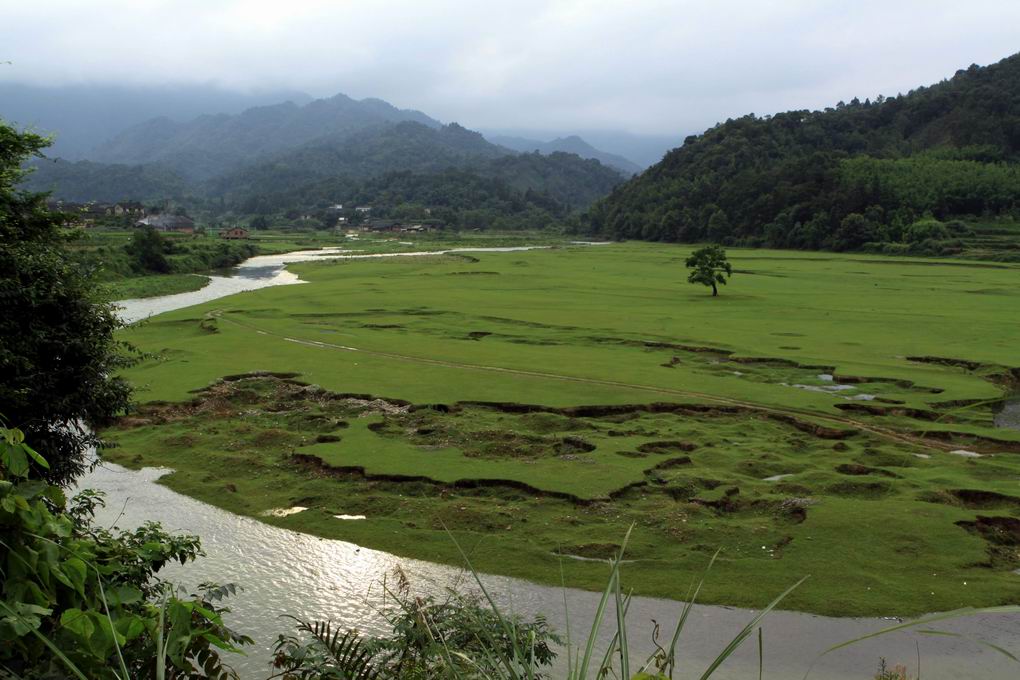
<point x="285" y="572"/>
<point x="1008" y="415"/>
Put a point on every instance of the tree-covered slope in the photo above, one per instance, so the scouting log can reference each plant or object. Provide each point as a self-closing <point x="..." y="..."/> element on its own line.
<point x="415" y="164"/>
<point x="857" y="173"/>
<point x="85" y="181"/>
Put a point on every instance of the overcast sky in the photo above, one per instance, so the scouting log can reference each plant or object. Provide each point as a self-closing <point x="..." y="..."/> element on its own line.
<point x="645" y="66"/>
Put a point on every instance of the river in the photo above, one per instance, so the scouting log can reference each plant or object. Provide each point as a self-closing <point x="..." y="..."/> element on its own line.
<point x="285" y="572"/>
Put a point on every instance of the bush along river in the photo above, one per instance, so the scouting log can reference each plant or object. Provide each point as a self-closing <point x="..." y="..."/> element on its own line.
<point x="285" y="572"/>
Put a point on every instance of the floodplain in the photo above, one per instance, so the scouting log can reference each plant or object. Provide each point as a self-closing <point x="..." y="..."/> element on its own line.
<point x="827" y="415"/>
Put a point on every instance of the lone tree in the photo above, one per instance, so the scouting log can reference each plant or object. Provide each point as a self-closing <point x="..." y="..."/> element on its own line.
<point x="710" y="267"/>
<point x="58" y="356"/>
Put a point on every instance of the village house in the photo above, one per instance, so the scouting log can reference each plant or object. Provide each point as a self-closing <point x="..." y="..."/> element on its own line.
<point x="235" y="233"/>
<point x="394" y="226"/>
<point x="133" y="208"/>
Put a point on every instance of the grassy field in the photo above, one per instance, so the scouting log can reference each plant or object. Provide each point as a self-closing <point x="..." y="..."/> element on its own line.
<point x="154" y="285"/>
<point x="538" y="403"/>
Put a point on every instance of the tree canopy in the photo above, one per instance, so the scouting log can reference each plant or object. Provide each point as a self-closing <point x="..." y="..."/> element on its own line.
<point x="709" y="267"/>
<point x="58" y="357"/>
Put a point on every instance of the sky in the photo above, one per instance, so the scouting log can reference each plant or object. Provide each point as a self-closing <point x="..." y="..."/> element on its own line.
<point x="643" y="66"/>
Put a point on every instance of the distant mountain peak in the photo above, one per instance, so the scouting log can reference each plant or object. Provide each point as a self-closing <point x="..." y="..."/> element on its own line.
<point x="569" y="144"/>
<point x="211" y="145"/>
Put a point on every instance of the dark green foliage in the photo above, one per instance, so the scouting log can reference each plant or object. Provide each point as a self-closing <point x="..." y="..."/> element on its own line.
<point x="148" y="251"/>
<point x="82" y="601"/>
<point x="458" y="638"/>
<point x="709" y="267"/>
<point x="84" y="181"/>
<point x="58" y="358"/>
<point x="472" y="183"/>
<point x="331" y="655"/>
<point x="839" y="178"/>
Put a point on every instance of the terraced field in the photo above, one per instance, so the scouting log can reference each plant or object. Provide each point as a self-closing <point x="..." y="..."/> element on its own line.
<point x="826" y="415"/>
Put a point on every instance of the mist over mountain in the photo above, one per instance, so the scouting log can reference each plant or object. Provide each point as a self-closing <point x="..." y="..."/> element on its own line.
<point x="639" y="149"/>
<point x="81" y="117"/>
<point x="211" y="145"/>
<point x="572" y="144"/>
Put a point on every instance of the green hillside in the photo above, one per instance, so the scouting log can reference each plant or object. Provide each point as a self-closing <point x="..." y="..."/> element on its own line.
<point x="858" y="173"/>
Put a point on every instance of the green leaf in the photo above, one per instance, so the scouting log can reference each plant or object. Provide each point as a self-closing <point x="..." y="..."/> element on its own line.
<point x="130" y="626"/>
<point x="77" y="622"/>
<point x="121" y="595"/>
<point x="35" y="456"/>
<point x="25" y="618"/>
<point x="76" y="572"/>
<point x="15" y="460"/>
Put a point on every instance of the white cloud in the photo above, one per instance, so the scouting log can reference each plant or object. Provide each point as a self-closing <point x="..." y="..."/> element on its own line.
<point x="641" y="65"/>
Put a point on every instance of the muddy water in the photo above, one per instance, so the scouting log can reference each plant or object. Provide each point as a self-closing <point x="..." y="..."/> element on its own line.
<point x="285" y="572"/>
<point x="1008" y="416"/>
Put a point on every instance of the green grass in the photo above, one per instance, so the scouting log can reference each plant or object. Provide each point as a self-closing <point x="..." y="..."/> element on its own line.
<point x="615" y="325"/>
<point x="882" y="540"/>
<point x="155" y="285"/>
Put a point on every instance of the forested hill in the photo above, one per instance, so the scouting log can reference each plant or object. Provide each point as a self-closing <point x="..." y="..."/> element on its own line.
<point x="889" y="171"/>
<point x="408" y="171"/>
<point x="404" y="168"/>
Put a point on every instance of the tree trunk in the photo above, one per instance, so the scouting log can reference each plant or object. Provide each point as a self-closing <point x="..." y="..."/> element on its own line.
<point x="715" y="291"/>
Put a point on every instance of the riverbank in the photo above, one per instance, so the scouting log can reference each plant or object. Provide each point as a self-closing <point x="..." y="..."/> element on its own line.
<point x="287" y="572"/>
<point x="155" y="285"/>
<point x="790" y="463"/>
<point x="194" y="258"/>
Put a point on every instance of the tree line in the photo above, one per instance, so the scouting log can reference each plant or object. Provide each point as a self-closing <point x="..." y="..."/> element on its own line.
<point x="838" y="179"/>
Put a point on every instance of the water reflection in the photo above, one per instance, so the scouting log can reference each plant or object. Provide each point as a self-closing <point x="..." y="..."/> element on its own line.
<point x="285" y="572"/>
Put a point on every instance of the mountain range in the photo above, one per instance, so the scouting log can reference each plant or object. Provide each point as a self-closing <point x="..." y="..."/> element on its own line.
<point x="289" y="157"/>
<point x="80" y="117"/>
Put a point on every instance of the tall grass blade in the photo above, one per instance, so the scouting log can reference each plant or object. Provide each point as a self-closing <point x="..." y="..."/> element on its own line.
<point x="742" y="635"/>
<point x="566" y="617"/>
<point x="600" y="612"/>
<point x="621" y="629"/>
<point x="924" y="620"/>
<point x="607" y="659"/>
<point x="982" y="643"/>
<point x="507" y="628"/>
<point x="688" y="606"/>
<point x="761" y="655"/>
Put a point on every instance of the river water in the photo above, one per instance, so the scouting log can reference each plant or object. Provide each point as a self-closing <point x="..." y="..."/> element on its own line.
<point x="285" y="572"/>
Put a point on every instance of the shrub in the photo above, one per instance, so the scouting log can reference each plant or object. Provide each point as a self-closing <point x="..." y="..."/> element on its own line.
<point x="82" y="601"/>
